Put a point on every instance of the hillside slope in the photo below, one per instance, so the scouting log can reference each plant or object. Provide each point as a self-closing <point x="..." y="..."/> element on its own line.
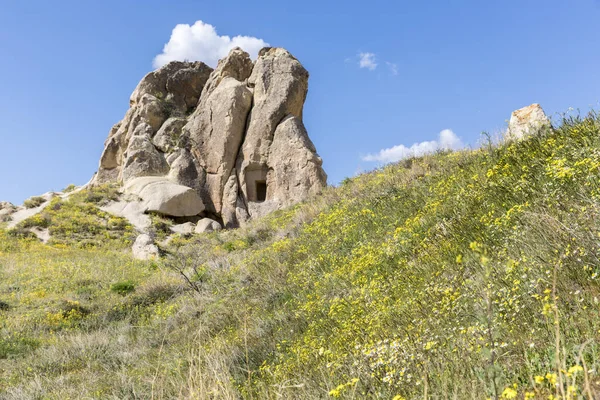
<point x="472" y="274"/>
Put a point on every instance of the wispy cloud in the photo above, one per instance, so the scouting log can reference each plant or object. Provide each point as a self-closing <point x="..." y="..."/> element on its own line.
<point x="393" y="67"/>
<point x="200" y="42"/>
<point x="367" y="60"/>
<point x="446" y="141"/>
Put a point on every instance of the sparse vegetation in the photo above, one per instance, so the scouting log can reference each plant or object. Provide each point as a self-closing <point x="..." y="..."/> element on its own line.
<point x="78" y="221"/>
<point x="472" y="274"/>
<point x="34" y="202"/>
<point x="69" y="188"/>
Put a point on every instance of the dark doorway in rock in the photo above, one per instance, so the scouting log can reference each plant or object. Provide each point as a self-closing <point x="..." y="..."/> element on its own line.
<point x="261" y="190"/>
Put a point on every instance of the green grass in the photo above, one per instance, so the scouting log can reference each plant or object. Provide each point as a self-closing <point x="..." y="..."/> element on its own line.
<point x="472" y="274"/>
<point x="77" y="220"/>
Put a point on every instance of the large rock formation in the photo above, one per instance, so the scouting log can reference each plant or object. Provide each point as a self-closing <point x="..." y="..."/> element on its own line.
<point x="227" y="143"/>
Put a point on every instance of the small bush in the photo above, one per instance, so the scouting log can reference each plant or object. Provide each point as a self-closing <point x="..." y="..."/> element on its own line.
<point x="69" y="188"/>
<point x="41" y="220"/>
<point x="20" y="233"/>
<point x="34" y="202"/>
<point x="123" y="287"/>
<point x="4" y="306"/>
<point x="161" y="226"/>
<point x="98" y="194"/>
<point x="70" y="308"/>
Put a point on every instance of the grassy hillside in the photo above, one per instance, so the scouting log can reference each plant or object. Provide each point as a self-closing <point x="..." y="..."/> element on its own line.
<point x="472" y="274"/>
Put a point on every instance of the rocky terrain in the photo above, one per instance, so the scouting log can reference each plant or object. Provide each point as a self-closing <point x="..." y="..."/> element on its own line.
<point x="212" y="148"/>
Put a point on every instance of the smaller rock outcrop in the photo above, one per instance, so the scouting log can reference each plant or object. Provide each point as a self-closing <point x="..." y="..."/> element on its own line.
<point x="526" y="121"/>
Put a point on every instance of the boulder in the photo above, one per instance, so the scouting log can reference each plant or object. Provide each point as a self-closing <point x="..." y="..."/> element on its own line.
<point x="144" y="248"/>
<point x="162" y="196"/>
<point x="184" y="229"/>
<point x="526" y="121"/>
<point x="207" y="225"/>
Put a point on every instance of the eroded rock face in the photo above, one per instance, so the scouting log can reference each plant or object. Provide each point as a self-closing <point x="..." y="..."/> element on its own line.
<point x="526" y="121"/>
<point x="233" y="136"/>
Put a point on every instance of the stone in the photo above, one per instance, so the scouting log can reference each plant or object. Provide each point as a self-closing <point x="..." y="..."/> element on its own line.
<point x="229" y="202"/>
<point x="152" y="111"/>
<point x="526" y="121"/>
<point x="295" y="168"/>
<point x="184" y="229"/>
<point x="237" y="65"/>
<point x="207" y="225"/>
<point x="186" y="171"/>
<point x="133" y="211"/>
<point x="185" y="86"/>
<point x="162" y="196"/>
<point x="144" y="248"/>
<point x="216" y="131"/>
<point x="182" y="81"/>
<point x="143" y="159"/>
<point x="43" y="234"/>
<point x="280" y="85"/>
<point x="168" y="136"/>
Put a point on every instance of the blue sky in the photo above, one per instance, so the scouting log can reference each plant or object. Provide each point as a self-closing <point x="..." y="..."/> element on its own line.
<point x="68" y="68"/>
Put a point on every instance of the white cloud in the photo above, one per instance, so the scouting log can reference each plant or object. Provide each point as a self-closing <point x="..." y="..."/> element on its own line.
<point x="367" y="60"/>
<point x="200" y="42"/>
<point x="393" y="68"/>
<point x="447" y="141"/>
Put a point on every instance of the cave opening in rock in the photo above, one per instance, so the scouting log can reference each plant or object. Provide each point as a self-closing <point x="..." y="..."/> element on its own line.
<point x="261" y="191"/>
<point x="256" y="183"/>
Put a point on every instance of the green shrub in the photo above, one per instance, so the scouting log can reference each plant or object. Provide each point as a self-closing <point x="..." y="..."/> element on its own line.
<point x="69" y="188"/>
<point x="33" y="202"/>
<point x="40" y="220"/>
<point x="123" y="287"/>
